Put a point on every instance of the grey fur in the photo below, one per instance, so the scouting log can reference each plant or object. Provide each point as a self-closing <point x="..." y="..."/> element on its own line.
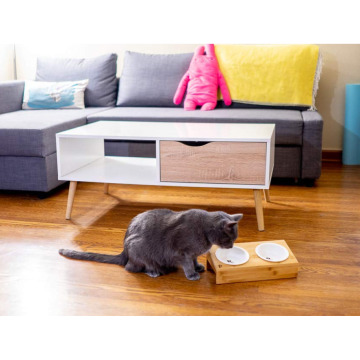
<point x="159" y="241"/>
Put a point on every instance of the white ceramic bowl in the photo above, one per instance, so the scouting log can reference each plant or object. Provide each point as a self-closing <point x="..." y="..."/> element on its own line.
<point x="272" y="252"/>
<point x="234" y="256"/>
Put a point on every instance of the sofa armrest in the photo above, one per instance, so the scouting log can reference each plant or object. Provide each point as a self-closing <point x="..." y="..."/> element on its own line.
<point x="11" y="96"/>
<point x="312" y="145"/>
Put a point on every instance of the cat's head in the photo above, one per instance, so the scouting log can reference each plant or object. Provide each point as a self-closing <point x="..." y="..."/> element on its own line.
<point x="225" y="229"/>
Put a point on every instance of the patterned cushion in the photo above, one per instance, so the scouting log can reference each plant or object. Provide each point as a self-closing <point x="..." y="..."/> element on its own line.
<point x="50" y="95"/>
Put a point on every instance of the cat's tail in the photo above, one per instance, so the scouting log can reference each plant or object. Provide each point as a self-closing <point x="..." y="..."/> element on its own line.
<point x="120" y="259"/>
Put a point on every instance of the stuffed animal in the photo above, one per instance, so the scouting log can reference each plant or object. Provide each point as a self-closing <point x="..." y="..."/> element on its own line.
<point x="202" y="81"/>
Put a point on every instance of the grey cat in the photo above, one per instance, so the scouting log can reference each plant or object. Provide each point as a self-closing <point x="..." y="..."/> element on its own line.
<point x="159" y="241"/>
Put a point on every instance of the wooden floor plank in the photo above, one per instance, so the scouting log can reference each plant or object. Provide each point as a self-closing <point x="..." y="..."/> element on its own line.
<point x="320" y="224"/>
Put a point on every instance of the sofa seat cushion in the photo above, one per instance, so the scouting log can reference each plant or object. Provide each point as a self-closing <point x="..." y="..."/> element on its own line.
<point x="32" y="132"/>
<point x="289" y="123"/>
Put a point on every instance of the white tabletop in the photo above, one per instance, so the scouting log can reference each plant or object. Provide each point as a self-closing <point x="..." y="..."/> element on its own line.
<point x="136" y="130"/>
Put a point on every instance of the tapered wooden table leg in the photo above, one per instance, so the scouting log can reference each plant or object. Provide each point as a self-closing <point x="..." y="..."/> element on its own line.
<point x="72" y="189"/>
<point x="106" y="188"/>
<point x="259" y="209"/>
<point x="267" y="195"/>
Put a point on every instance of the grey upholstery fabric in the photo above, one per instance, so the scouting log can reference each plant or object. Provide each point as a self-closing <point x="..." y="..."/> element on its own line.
<point x="32" y="132"/>
<point x="11" y="96"/>
<point x="145" y="149"/>
<point x="151" y="80"/>
<point x="287" y="162"/>
<point x="312" y="145"/>
<point x="29" y="173"/>
<point x="289" y="123"/>
<point x="101" y="72"/>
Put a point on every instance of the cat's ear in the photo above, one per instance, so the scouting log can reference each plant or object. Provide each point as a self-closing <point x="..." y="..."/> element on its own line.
<point x="237" y="217"/>
<point x="230" y="225"/>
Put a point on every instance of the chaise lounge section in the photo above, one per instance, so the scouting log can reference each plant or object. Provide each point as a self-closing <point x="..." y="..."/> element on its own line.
<point x="27" y="140"/>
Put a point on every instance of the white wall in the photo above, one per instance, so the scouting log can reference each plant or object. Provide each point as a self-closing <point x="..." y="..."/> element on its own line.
<point x="6" y="62"/>
<point x="341" y="66"/>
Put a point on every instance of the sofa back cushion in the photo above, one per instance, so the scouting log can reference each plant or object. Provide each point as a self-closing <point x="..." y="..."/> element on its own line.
<point x="11" y="96"/>
<point x="151" y="80"/>
<point x="101" y="72"/>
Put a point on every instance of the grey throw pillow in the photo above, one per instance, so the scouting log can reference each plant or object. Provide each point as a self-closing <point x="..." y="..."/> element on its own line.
<point x="151" y="80"/>
<point x="101" y="72"/>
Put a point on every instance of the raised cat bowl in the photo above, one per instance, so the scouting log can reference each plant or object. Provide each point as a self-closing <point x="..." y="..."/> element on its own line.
<point x="234" y="256"/>
<point x="272" y="252"/>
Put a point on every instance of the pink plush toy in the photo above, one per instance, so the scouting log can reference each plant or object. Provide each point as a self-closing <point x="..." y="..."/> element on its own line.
<point x="202" y="81"/>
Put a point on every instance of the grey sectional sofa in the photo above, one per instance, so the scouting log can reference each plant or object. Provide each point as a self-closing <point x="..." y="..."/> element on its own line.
<point x="27" y="137"/>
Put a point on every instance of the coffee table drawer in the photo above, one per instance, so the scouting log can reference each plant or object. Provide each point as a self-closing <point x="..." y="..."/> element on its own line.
<point x="213" y="162"/>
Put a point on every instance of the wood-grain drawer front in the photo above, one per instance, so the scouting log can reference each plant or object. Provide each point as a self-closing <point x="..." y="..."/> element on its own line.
<point x="214" y="163"/>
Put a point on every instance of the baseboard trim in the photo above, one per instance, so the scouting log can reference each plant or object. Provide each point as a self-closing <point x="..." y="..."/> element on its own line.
<point x="332" y="155"/>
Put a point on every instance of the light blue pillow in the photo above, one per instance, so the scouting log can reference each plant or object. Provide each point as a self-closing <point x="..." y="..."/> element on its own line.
<point x="54" y="95"/>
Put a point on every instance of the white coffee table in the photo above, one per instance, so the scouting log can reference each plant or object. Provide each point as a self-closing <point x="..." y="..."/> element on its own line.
<point x="210" y="155"/>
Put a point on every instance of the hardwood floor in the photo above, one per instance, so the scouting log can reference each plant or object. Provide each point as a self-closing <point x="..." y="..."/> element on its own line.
<point x="320" y="224"/>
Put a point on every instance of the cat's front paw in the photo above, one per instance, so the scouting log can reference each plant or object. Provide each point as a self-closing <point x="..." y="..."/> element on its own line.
<point x="200" y="268"/>
<point x="194" y="276"/>
<point x="153" y="273"/>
